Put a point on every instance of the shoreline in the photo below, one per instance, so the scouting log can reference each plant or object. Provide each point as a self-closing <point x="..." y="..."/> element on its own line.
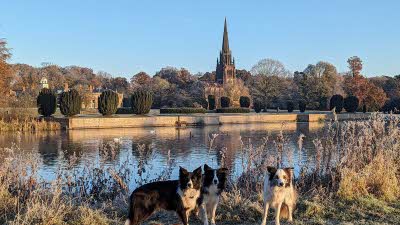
<point x="182" y="120"/>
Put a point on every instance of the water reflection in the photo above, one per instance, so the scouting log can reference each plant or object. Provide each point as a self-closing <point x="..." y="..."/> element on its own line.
<point x="154" y="147"/>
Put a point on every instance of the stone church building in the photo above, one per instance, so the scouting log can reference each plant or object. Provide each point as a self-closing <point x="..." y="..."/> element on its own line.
<point x="225" y="73"/>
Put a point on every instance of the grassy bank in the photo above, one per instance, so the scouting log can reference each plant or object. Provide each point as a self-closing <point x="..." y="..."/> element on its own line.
<point x="18" y="119"/>
<point x="355" y="179"/>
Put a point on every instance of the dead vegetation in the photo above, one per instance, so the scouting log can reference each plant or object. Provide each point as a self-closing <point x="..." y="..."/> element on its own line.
<point x="354" y="178"/>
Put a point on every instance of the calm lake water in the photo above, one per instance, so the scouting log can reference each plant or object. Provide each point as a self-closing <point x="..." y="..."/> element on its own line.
<point x="188" y="147"/>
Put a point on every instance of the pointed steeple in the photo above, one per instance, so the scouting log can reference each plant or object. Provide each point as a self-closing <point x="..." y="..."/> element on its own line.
<point x="225" y="42"/>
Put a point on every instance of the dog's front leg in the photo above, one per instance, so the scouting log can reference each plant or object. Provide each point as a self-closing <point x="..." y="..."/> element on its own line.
<point x="183" y="214"/>
<point x="290" y="209"/>
<point x="278" y="214"/>
<point x="203" y="212"/>
<point x="214" y="210"/>
<point x="266" y="207"/>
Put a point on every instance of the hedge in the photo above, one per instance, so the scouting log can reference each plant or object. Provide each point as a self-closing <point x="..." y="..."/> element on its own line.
<point x="182" y="110"/>
<point x="302" y="105"/>
<point x="258" y="106"/>
<point x="225" y="102"/>
<point x="290" y="106"/>
<point x="244" y="101"/>
<point x="233" y="110"/>
<point x="211" y="102"/>
<point x="337" y="103"/>
<point x="351" y="104"/>
<point x="124" y="110"/>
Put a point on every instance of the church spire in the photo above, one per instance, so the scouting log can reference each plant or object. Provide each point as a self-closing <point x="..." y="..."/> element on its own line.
<point x="225" y="42"/>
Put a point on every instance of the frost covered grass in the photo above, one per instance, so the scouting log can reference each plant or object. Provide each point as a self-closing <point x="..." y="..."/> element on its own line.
<point x="354" y="178"/>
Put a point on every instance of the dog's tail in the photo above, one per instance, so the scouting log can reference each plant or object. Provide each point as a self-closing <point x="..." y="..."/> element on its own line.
<point x="284" y="214"/>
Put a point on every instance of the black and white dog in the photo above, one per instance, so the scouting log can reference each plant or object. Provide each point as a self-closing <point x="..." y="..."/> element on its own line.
<point x="180" y="196"/>
<point x="214" y="183"/>
<point x="279" y="194"/>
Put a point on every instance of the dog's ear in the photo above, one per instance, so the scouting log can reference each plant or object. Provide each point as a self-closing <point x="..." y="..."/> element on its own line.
<point x="223" y="171"/>
<point x="206" y="167"/>
<point x="197" y="172"/>
<point x="289" y="171"/>
<point x="271" y="169"/>
<point x="183" y="171"/>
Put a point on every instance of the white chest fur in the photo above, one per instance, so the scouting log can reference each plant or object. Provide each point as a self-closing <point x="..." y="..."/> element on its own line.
<point x="189" y="198"/>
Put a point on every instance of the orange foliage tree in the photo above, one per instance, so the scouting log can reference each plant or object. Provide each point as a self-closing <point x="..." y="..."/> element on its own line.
<point x="6" y="73"/>
<point x="367" y="93"/>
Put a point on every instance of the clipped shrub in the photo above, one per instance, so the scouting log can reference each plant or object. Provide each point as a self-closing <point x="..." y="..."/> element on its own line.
<point x="258" y="106"/>
<point x="244" y="101"/>
<point x="322" y="106"/>
<point x="182" y="110"/>
<point x="141" y="101"/>
<point x="70" y="103"/>
<point x="351" y="104"/>
<point x="392" y="105"/>
<point x="290" y="106"/>
<point x="108" y="102"/>
<point x="364" y="108"/>
<point x="187" y="102"/>
<point x="233" y="110"/>
<point x="211" y="102"/>
<point x="46" y="102"/>
<point x="336" y="101"/>
<point x="202" y="101"/>
<point x="302" y="105"/>
<point x="225" y="102"/>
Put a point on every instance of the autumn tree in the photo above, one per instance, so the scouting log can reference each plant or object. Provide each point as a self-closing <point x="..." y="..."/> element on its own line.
<point x="355" y="65"/>
<point x="245" y="76"/>
<point x="140" y="80"/>
<point x="208" y="77"/>
<point x="370" y="95"/>
<point x="317" y="84"/>
<point x="6" y="72"/>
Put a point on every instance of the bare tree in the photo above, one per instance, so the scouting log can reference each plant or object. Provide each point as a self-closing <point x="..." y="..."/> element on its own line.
<point x="269" y="67"/>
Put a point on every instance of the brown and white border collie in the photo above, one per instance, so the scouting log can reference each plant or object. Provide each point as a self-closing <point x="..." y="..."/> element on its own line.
<point x="214" y="183"/>
<point x="180" y="196"/>
<point x="279" y="194"/>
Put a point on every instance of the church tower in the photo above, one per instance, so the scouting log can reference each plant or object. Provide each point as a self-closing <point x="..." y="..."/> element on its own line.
<point x="225" y="72"/>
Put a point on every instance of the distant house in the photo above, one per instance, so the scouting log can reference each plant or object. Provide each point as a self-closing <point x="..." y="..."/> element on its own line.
<point x="91" y="95"/>
<point x="44" y="83"/>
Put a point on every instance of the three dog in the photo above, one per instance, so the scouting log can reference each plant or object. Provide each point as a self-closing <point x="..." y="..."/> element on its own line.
<point x="192" y="190"/>
<point x="279" y="194"/>
<point x="195" y="190"/>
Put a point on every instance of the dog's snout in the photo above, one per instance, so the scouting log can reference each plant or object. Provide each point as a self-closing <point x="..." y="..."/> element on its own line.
<point x="215" y="181"/>
<point x="280" y="184"/>
<point x="189" y="185"/>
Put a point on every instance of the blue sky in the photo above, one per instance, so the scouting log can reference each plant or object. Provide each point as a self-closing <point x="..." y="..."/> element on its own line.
<point x="125" y="37"/>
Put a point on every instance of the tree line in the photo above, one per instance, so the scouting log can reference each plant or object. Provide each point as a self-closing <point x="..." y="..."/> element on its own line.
<point x="268" y="82"/>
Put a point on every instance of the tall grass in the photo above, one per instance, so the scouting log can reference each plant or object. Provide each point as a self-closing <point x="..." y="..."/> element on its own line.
<point x="353" y="161"/>
<point x="16" y="119"/>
